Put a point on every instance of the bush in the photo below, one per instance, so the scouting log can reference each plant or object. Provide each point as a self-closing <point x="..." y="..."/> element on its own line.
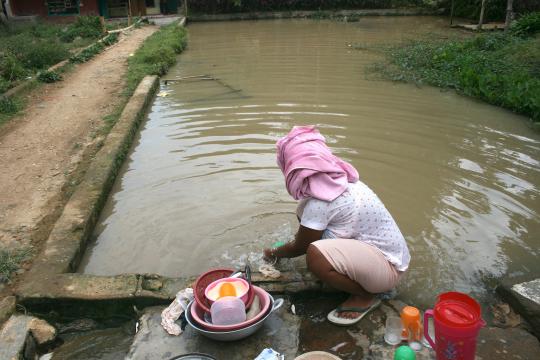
<point x="8" y="106"/>
<point x="11" y="68"/>
<point x="88" y="27"/>
<point x="527" y="25"/>
<point x="4" y="85"/>
<point x="49" y="76"/>
<point x="502" y="70"/>
<point x="34" y="52"/>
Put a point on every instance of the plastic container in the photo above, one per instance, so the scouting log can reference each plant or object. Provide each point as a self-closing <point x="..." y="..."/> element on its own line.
<point x="197" y="313"/>
<point x="412" y="327"/>
<point x="228" y="310"/>
<point x="392" y="330"/>
<point x="457" y="318"/>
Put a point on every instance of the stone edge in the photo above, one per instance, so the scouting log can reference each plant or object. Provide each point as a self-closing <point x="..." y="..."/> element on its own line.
<point x="310" y="13"/>
<point x="522" y="305"/>
<point x="67" y="241"/>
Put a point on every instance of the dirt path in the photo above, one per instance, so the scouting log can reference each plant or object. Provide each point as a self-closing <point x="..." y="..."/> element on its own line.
<point x="41" y="151"/>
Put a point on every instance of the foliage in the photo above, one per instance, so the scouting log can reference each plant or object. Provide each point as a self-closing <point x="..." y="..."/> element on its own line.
<point x="49" y="76"/>
<point x="10" y="67"/>
<point x="498" y="68"/>
<point x="10" y="262"/>
<point x="110" y="39"/>
<point x="87" y="53"/>
<point x="157" y="54"/>
<point x="527" y="25"/>
<point x="94" y="49"/>
<point x="8" y="106"/>
<point x="35" y="53"/>
<point x="84" y="27"/>
<point x="228" y="6"/>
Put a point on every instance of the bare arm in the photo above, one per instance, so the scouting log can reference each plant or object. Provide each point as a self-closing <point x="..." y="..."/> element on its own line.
<point x="304" y="237"/>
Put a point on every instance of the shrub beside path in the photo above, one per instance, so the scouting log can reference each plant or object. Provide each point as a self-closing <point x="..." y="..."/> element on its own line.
<point x="44" y="150"/>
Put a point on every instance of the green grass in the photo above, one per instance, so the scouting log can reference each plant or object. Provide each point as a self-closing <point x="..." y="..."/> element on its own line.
<point x="501" y="69"/>
<point x="26" y="49"/>
<point x="49" y="76"/>
<point x="10" y="261"/>
<point x="156" y="55"/>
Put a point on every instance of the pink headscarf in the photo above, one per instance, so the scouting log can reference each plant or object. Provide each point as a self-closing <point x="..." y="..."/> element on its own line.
<point x="310" y="168"/>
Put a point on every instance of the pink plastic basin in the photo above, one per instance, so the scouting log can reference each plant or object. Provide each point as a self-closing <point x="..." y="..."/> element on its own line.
<point x="197" y="313"/>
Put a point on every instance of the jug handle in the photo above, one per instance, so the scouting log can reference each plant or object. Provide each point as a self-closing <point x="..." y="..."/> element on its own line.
<point x="428" y="314"/>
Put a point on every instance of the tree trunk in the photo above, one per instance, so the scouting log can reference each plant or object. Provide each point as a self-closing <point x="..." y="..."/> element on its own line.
<point x="481" y="21"/>
<point x="452" y="13"/>
<point x="509" y="14"/>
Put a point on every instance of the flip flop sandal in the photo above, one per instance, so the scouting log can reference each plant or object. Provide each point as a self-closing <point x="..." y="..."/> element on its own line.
<point x="335" y="319"/>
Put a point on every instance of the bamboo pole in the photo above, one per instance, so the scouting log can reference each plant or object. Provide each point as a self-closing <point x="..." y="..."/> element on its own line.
<point x="481" y="20"/>
<point x="509" y="14"/>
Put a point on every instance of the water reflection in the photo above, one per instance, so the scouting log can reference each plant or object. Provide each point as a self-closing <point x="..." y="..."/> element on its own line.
<point x="201" y="187"/>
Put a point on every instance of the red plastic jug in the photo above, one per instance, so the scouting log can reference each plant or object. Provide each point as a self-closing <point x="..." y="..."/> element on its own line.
<point x="457" y="320"/>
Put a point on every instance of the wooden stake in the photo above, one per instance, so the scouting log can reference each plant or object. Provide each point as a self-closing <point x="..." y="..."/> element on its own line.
<point x="481" y="21"/>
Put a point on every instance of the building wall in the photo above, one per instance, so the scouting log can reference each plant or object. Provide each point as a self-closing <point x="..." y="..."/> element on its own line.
<point x="39" y="7"/>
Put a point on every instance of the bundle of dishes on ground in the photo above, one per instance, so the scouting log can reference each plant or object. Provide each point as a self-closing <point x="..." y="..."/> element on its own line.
<point x="227" y="306"/>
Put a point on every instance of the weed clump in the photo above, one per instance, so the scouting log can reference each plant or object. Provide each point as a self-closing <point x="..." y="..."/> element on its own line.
<point x="49" y="76"/>
<point x="94" y="49"/>
<point x="10" y="261"/>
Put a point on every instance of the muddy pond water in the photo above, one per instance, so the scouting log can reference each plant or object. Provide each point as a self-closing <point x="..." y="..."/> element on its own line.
<point x="201" y="186"/>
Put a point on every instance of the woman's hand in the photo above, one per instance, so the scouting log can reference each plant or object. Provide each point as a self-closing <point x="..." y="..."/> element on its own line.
<point x="268" y="255"/>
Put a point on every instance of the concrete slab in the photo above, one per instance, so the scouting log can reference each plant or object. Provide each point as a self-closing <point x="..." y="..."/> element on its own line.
<point x="524" y="297"/>
<point x="7" y="307"/>
<point x="307" y="330"/>
<point x="288" y="333"/>
<point x="16" y="341"/>
<point x="280" y="332"/>
<point x="495" y="343"/>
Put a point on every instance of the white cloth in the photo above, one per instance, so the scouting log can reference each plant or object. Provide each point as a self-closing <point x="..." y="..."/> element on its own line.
<point x="357" y="214"/>
<point x="269" y="271"/>
<point x="173" y="311"/>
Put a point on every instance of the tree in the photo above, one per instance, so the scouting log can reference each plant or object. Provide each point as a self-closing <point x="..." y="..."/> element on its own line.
<point x="3" y="19"/>
<point x="509" y="14"/>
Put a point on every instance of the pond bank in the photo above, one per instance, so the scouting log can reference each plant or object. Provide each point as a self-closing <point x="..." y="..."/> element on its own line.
<point x="500" y="69"/>
<point x="343" y="15"/>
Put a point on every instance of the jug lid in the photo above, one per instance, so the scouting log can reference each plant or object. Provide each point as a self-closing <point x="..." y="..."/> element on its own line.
<point x="456" y="309"/>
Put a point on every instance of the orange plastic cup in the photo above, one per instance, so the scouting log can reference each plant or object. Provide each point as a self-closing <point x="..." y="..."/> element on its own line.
<point x="412" y="325"/>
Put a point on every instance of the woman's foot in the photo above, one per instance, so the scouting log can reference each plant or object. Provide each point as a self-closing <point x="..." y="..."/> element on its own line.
<point x="355" y="301"/>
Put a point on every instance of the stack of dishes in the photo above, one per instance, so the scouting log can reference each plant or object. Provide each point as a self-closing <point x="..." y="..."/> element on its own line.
<point x="198" y="311"/>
